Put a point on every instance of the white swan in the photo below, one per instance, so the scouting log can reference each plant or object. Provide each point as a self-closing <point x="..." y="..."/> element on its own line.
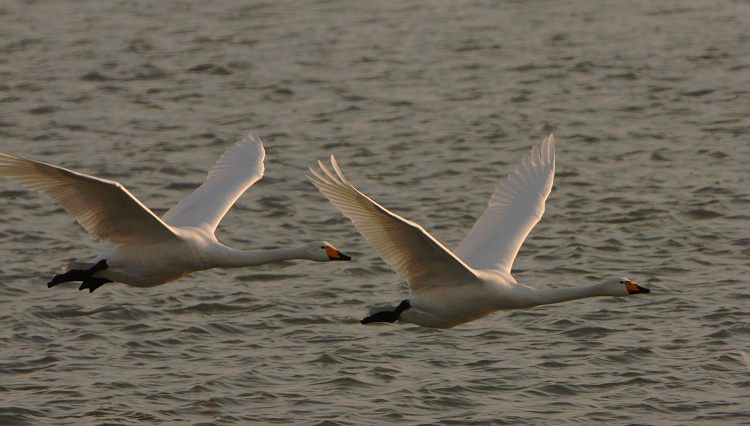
<point x="150" y="251"/>
<point x="451" y="288"/>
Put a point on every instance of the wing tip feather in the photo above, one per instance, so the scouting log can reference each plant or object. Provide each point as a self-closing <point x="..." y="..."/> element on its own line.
<point x="548" y="149"/>
<point x="253" y="140"/>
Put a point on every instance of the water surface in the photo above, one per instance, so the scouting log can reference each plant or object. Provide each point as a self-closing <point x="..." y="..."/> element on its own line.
<point x="426" y="105"/>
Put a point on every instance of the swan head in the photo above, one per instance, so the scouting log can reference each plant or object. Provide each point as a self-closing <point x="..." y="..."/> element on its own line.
<point x="621" y="286"/>
<point x="323" y="251"/>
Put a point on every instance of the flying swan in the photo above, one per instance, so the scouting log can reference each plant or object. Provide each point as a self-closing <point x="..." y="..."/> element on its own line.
<point x="150" y="251"/>
<point x="451" y="288"/>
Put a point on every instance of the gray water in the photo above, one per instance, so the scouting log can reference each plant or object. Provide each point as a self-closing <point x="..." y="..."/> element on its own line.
<point x="427" y="105"/>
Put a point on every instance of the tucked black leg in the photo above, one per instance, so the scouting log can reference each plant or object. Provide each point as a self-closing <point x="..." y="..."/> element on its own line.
<point x="80" y="275"/>
<point x="93" y="283"/>
<point x="387" y="316"/>
<point x="72" y="275"/>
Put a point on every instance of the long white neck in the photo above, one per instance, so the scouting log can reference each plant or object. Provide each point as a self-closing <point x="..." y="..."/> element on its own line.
<point x="232" y="258"/>
<point x="546" y="296"/>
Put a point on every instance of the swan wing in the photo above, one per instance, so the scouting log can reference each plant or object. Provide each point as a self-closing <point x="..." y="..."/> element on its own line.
<point x="238" y="168"/>
<point x="412" y="252"/>
<point x="103" y="207"/>
<point x="514" y="208"/>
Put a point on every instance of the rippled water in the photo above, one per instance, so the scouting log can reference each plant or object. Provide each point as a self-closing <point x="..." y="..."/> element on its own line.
<point x="426" y="105"/>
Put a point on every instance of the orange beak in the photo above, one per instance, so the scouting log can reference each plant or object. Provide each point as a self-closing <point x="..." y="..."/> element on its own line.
<point x="634" y="288"/>
<point x="334" y="254"/>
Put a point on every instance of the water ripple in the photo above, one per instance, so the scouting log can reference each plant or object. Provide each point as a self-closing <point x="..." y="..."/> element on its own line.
<point x="426" y="106"/>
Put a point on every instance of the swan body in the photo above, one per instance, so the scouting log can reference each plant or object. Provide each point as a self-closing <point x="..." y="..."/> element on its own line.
<point x="447" y="287"/>
<point x="150" y="251"/>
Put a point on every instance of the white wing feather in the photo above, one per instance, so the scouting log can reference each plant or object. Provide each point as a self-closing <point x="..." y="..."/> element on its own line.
<point x="103" y="207"/>
<point x="235" y="171"/>
<point x="412" y="252"/>
<point x="514" y="208"/>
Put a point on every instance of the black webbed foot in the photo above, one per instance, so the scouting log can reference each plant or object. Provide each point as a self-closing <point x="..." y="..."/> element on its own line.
<point x="72" y="275"/>
<point x="387" y="316"/>
<point x="84" y="275"/>
<point x="93" y="283"/>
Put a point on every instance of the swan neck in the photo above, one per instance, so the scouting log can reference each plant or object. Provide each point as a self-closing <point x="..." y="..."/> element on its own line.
<point x="232" y="258"/>
<point x="548" y="296"/>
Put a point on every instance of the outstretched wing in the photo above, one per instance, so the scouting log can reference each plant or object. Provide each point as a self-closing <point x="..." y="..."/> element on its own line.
<point x="238" y="168"/>
<point x="413" y="253"/>
<point x="103" y="207"/>
<point x="514" y="208"/>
